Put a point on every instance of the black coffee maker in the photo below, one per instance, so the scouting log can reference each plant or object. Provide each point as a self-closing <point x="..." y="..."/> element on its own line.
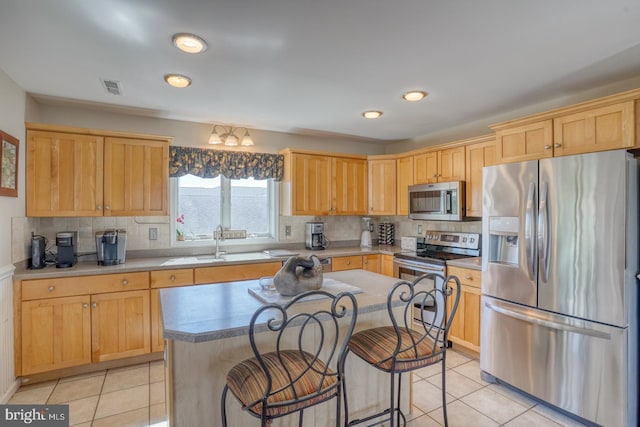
<point x="66" y="241"/>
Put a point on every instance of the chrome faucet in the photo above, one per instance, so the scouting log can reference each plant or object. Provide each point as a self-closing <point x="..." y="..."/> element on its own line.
<point x="218" y="234"/>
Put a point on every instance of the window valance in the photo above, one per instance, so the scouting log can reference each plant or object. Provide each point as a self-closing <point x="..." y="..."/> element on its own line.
<point x="231" y="164"/>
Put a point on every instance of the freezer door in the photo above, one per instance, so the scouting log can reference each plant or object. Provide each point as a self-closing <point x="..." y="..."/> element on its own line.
<point x="581" y="236"/>
<point x="583" y="367"/>
<point x="508" y="225"/>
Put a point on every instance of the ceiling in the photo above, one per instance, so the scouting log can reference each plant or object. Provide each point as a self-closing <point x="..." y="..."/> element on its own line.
<point x="315" y="66"/>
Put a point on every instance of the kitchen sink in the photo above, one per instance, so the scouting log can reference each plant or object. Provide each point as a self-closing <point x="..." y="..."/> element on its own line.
<point x="204" y="259"/>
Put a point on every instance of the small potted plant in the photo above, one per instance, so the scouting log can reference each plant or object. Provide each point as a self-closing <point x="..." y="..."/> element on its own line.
<point x="179" y="231"/>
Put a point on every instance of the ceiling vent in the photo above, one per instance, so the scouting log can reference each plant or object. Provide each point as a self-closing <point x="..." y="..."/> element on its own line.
<point x="111" y="86"/>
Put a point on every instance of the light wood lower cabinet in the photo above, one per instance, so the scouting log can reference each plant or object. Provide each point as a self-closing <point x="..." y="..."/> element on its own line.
<point x="120" y="325"/>
<point x="341" y="263"/>
<point x="230" y="273"/>
<point x="386" y="265"/>
<point x="73" y="321"/>
<point x="465" y="328"/>
<point x="56" y="333"/>
<point x="371" y="263"/>
<point x="164" y="279"/>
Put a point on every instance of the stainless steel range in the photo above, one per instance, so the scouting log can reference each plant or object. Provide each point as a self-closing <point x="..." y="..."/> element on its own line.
<point x="429" y="254"/>
<point x="423" y="255"/>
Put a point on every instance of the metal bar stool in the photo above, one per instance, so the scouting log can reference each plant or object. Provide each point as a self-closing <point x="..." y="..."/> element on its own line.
<point x="416" y="339"/>
<point x="304" y="364"/>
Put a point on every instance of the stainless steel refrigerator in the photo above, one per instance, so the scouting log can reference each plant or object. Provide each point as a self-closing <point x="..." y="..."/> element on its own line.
<point x="560" y="294"/>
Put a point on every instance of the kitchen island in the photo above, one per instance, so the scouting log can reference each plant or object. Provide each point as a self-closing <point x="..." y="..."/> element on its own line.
<point x="206" y="328"/>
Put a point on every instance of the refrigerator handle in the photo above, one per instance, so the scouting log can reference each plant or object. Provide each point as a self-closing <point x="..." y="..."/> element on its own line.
<point x="547" y="323"/>
<point x="543" y="232"/>
<point x="529" y="232"/>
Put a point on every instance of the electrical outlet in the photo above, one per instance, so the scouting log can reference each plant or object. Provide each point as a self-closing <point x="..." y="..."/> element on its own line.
<point x="287" y="230"/>
<point x="153" y="233"/>
<point x="419" y="228"/>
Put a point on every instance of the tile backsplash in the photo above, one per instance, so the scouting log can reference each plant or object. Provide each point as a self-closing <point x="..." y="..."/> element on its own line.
<point x="338" y="229"/>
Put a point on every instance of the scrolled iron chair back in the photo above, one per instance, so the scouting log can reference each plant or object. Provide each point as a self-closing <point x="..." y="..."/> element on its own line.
<point x="416" y="299"/>
<point x="320" y="338"/>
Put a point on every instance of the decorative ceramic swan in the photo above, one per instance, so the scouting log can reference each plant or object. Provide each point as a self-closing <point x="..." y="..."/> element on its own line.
<point x="298" y="274"/>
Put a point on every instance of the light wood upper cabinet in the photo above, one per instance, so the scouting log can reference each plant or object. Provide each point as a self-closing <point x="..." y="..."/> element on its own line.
<point x="605" y="128"/>
<point x="451" y="164"/>
<point x="404" y="178"/>
<point x="349" y="186"/>
<point x="439" y="166"/>
<point x="317" y="184"/>
<point x="136" y="175"/>
<point x="479" y="155"/>
<point x="64" y="174"/>
<point x="382" y="187"/>
<point x="120" y="325"/>
<point x="56" y="334"/>
<point x="84" y="172"/>
<point x="425" y="168"/>
<point x="527" y="142"/>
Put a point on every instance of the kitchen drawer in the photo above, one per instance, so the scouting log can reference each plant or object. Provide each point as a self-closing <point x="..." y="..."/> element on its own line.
<point x="83" y="285"/>
<point x="340" y="263"/>
<point x="230" y="273"/>
<point x="170" y="278"/>
<point x="467" y="276"/>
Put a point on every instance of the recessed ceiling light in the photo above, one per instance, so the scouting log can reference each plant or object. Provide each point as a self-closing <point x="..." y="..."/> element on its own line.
<point x="372" y="114"/>
<point x="177" y="80"/>
<point x="414" y="95"/>
<point x="189" y="43"/>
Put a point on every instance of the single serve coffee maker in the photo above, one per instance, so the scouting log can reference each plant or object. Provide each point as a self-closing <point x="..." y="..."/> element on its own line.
<point x="67" y="242"/>
<point x="314" y="236"/>
<point x="111" y="247"/>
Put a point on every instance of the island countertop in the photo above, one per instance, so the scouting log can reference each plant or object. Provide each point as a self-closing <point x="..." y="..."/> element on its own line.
<point x="215" y="311"/>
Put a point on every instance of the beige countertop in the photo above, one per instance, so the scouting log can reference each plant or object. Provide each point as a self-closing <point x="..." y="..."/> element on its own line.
<point x="210" y="312"/>
<point x="132" y="264"/>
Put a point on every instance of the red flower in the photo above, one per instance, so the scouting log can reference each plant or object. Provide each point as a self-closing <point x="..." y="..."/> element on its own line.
<point x="180" y="219"/>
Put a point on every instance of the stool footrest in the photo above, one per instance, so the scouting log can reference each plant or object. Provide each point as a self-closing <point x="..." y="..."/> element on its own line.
<point x="386" y="413"/>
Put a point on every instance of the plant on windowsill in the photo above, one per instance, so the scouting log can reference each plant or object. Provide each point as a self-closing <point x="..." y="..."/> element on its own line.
<point x="179" y="231"/>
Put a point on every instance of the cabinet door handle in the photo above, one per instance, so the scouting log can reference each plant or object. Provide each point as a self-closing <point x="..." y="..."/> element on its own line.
<point x="468" y="277"/>
<point x="107" y="207"/>
<point x="556" y="145"/>
<point x="99" y="207"/>
<point x="52" y="288"/>
<point x="172" y="278"/>
<point x="94" y="305"/>
<point x="348" y="262"/>
<point x="85" y="305"/>
<point x="546" y="147"/>
<point x="435" y="175"/>
<point x="125" y="282"/>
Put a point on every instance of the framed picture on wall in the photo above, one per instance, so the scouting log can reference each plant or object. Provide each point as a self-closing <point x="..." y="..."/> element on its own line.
<point x="9" y="161"/>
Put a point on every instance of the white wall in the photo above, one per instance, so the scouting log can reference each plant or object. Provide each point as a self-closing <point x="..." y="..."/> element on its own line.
<point x="12" y="113"/>
<point x="192" y="134"/>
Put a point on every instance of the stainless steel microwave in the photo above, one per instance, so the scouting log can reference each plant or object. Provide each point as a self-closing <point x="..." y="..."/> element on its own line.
<point x="444" y="201"/>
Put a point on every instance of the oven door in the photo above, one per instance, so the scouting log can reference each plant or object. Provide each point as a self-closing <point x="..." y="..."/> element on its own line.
<point x="410" y="270"/>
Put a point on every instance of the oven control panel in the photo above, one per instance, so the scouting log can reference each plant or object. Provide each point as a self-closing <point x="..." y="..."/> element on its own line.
<point x="453" y="239"/>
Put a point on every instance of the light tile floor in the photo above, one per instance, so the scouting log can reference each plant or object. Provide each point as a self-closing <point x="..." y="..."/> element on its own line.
<point x="134" y="397"/>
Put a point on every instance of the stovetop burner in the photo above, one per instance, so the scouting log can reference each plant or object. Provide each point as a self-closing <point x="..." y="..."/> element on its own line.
<point x="440" y="246"/>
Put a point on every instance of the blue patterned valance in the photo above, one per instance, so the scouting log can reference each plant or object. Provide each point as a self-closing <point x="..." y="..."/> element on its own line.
<point x="231" y="164"/>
